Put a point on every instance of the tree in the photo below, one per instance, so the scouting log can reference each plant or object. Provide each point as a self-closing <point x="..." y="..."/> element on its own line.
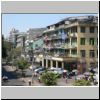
<point x="82" y="82"/>
<point x="49" y="78"/>
<point x="14" y="53"/>
<point x="4" y="50"/>
<point x="22" y="64"/>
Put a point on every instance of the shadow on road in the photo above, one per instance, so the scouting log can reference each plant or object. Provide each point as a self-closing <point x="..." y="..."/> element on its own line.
<point x="9" y="74"/>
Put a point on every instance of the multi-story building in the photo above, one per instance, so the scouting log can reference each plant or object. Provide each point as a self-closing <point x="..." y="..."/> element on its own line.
<point x="71" y="43"/>
<point x="33" y="33"/>
<point x="21" y="42"/>
<point x="13" y="36"/>
<point x="34" y="42"/>
<point x="21" y="39"/>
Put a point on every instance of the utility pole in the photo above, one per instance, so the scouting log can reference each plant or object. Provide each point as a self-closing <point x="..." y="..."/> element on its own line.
<point x="32" y="57"/>
<point x="32" y="63"/>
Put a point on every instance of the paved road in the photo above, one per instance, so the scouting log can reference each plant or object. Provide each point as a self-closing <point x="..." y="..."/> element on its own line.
<point x="17" y="81"/>
<point x="13" y="80"/>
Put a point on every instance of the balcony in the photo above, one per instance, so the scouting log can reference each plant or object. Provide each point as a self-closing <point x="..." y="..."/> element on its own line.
<point x="56" y="37"/>
<point x="61" y="46"/>
<point x="70" y="46"/>
<point x="73" y="55"/>
<point x="73" y="34"/>
<point x="60" y="27"/>
<point x="59" y="55"/>
<point x="47" y="30"/>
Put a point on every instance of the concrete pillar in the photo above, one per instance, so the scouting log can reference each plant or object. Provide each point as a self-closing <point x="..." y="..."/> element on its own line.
<point x="46" y="63"/>
<point x="43" y="62"/>
<point x="56" y="64"/>
<point x="78" y="29"/>
<point x="70" y="41"/>
<point x="70" y="46"/>
<point x="70" y="52"/>
<point x="51" y="63"/>
<point x="62" y="64"/>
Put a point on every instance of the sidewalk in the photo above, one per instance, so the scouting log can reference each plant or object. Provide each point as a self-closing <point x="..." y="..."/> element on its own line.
<point x="26" y="82"/>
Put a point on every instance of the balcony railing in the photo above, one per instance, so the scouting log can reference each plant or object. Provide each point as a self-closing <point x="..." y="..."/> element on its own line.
<point x="47" y="30"/>
<point x="72" y="34"/>
<point x="56" y="54"/>
<point x="72" y="55"/>
<point x="61" y="45"/>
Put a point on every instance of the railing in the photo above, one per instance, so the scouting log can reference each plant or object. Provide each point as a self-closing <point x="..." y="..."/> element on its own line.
<point x="71" y="55"/>
<point x="49" y="29"/>
<point x="73" y="34"/>
<point x="61" y="45"/>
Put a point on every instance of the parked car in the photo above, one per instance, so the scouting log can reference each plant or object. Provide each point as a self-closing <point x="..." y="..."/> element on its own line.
<point x="41" y="72"/>
<point x="59" y="71"/>
<point x="39" y="69"/>
<point x="56" y="70"/>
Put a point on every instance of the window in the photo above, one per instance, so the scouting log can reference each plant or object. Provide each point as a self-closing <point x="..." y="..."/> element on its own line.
<point x="91" y="41"/>
<point x="74" y="52"/>
<point x="82" y="29"/>
<point x="82" y="41"/>
<point x="74" y="29"/>
<point x="92" y="29"/>
<point x="92" y="53"/>
<point x="82" y="53"/>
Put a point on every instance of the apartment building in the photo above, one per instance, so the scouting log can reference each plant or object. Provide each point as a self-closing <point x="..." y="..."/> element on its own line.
<point x="34" y="33"/>
<point x="13" y="36"/>
<point x="21" y="39"/>
<point x="34" y="43"/>
<point x="72" y="43"/>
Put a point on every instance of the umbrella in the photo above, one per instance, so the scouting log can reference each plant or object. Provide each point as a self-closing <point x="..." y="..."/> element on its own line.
<point x="30" y="67"/>
<point x="79" y="77"/>
<point x="74" y="70"/>
<point x="86" y="73"/>
<point x="65" y="71"/>
<point x="96" y="70"/>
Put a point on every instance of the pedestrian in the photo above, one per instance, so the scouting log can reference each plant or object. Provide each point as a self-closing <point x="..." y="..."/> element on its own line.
<point x="39" y="79"/>
<point x="29" y="82"/>
<point x="35" y="74"/>
<point x="66" y="79"/>
<point x="75" y="77"/>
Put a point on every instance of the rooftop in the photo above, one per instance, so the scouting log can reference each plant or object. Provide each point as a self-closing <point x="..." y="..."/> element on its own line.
<point x="86" y="19"/>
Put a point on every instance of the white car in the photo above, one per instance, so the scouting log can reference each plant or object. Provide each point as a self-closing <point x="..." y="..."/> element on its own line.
<point x="58" y="71"/>
<point x="38" y="69"/>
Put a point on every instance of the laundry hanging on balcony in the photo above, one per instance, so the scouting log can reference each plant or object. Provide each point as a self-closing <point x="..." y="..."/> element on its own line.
<point x="63" y="35"/>
<point x="46" y="40"/>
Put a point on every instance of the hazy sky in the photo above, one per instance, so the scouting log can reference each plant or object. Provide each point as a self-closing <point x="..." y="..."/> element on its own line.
<point x="23" y="22"/>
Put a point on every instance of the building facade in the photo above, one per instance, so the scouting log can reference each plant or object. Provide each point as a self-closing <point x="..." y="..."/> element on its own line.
<point x="34" y="43"/>
<point x="13" y="36"/>
<point x="21" y="39"/>
<point x="71" y="43"/>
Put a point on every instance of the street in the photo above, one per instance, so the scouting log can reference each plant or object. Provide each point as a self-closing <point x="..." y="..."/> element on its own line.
<point x="13" y="80"/>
